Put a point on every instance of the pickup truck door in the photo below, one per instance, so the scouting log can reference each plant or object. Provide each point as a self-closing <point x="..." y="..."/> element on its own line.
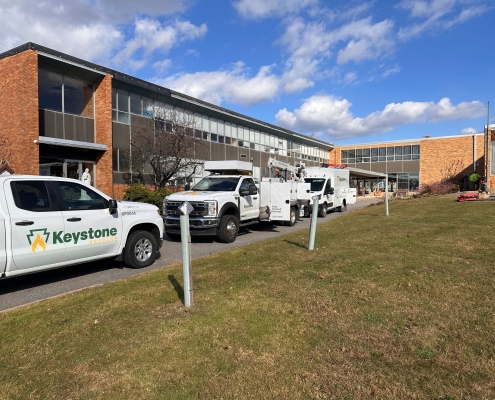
<point x="90" y="230"/>
<point x="249" y="206"/>
<point x="3" y="249"/>
<point x="35" y="221"/>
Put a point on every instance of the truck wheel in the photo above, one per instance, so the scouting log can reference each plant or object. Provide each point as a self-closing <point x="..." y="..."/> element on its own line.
<point x="322" y="210"/>
<point x="292" y="220"/>
<point x="343" y="207"/>
<point x="140" y="249"/>
<point x="227" y="231"/>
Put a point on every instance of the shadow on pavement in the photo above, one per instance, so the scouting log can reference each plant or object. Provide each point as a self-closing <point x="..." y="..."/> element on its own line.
<point x="41" y="278"/>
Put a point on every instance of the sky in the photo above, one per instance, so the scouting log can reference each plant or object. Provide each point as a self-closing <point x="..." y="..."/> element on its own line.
<point x="342" y="71"/>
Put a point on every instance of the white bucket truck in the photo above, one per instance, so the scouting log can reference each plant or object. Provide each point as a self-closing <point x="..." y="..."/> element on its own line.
<point x="331" y="184"/>
<point x="48" y="222"/>
<point x="229" y="199"/>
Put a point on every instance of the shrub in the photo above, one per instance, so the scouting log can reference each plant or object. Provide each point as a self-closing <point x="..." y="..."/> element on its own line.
<point x="141" y="193"/>
<point x="437" y="188"/>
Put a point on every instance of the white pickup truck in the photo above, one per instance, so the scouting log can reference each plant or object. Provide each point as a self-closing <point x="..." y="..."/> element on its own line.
<point x="49" y="222"/>
<point x="229" y="199"/>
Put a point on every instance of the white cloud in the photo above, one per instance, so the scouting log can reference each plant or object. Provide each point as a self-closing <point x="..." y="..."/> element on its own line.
<point x="332" y="116"/>
<point x="90" y="29"/>
<point x="468" y="131"/>
<point x="151" y="35"/>
<point x="439" y="14"/>
<point x="162" y="65"/>
<point x="257" y="9"/>
<point x="232" y="85"/>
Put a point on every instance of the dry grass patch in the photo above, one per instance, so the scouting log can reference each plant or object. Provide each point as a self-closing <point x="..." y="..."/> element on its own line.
<point x="397" y="307"/>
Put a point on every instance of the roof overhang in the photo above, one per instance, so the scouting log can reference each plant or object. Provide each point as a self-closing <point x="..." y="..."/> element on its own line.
<point x="71" y="143"/>
<point x="362" y="173"/>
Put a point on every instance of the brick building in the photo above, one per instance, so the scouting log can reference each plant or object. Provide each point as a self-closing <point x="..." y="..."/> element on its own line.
<point x="62" y="115"/>
<point x="426" y="160"/>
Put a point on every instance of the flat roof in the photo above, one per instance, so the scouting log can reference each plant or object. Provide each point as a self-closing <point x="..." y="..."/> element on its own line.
<point x="124" y="81"/>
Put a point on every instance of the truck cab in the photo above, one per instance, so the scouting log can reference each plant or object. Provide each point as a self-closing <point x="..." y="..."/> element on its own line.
<point x="49" y="222"/>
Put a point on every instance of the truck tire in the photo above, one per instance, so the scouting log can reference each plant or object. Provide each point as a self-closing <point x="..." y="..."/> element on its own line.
<point x="227" y="231"/>
<point x="292" y="220"/>
<point x="343" y="207"/>
<point x="322" y="210"/>
<point x="140" y="249"/>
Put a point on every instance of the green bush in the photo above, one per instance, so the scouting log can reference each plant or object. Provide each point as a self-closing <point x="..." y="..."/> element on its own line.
<point x="141" y="193"/>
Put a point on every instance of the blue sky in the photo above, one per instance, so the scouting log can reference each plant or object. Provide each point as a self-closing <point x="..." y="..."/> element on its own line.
<point x="343" y="71"/>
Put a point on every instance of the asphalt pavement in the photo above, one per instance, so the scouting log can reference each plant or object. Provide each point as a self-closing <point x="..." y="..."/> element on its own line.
<point x="22" y="290"/>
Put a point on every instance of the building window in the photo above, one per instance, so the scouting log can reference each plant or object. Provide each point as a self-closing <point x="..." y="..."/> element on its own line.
<point x="120" y="105"/>
<point x="63" y="94"/>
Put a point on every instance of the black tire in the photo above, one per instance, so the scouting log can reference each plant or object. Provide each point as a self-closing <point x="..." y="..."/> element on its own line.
<point x="293" y="217"/>
<point x="344" y="206"/>
<point x="140" y="249"/>
<point x="174" y="236"/>
<point x="322" y="210"/>
<point x="227" y="231"/>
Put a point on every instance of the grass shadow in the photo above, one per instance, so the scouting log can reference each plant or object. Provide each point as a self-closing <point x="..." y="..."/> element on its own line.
<point x="296" y="244"/>
<point x="177" y="287"/>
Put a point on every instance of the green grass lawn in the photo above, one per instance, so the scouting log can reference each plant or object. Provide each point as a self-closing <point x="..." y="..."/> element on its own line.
<point x="398" y="307"/>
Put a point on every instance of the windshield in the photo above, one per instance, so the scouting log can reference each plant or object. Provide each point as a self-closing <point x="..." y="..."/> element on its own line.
<point x="216" y="184"/>
<point x="316" y="183"/>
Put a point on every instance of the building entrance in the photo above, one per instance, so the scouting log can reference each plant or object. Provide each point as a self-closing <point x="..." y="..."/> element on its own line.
<point x="66" y="168"/>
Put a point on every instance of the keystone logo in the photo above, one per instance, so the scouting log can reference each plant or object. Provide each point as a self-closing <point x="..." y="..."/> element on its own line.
<point x="39" y="241"/>
<point x="95" y="236"/>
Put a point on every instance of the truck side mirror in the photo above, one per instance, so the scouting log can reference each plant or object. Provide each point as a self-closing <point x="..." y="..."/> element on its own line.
<point x="253" y="189"/>
<point x="331" y="191"/>
<point x="244" y="192"/>
<point x="112" y="209"/>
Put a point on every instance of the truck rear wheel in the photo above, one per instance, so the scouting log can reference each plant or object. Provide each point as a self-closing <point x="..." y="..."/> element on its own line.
<point x="140" y="249"/>
<point x="343" y="207"/>
<point x="227" y="231"/>
<point x="322" y="210"/>
<point x="292" y="220"/>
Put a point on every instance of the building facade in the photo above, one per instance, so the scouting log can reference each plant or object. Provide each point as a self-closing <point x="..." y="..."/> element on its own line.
<point x="64" y="115"/>
<point x="427" y="160"/>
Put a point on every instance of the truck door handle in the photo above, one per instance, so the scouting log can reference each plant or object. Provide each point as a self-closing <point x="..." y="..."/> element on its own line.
<point x="254" y="198"/>
<point x="73" y="219"/>
<point x="25" y="223"/>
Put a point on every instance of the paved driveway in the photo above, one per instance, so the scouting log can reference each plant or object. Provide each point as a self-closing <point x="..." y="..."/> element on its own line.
<point x="26" y="289"/>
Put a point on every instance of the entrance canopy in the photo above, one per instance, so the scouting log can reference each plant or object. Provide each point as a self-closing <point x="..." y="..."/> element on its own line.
<point x="363" y="173"/>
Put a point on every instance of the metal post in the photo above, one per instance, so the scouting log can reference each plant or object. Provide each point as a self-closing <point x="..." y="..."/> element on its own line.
<point x="386" y="194"/>
<point x="186" y="209"/>
<point x="312" y="229"/>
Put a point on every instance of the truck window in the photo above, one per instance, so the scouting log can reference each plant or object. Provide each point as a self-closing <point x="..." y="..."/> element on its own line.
<point x="246" y="182"/>
<point x="80" y="197"/>
<point x="316" y="183"/>
<point x="31" y="196"/>
<point x="216" y="184"/>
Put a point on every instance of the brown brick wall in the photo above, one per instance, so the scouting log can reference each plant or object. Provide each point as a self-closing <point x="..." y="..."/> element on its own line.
<point x="19" y="110"/>
<point x="103" y="131"/>
<point x="438" y="154"/>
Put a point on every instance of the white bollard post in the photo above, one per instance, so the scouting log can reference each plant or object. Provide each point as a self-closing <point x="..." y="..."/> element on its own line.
<point x="186" y="209"/>
<point x="312" y="228"/>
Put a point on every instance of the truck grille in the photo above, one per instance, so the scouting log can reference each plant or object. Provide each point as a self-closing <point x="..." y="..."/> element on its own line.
<point x="173" y="208"/>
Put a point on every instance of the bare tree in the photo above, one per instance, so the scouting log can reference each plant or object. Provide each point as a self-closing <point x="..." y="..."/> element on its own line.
<point x="170" y="146"/>
<point x="452" y="170"/>
<point x="5" y="149"/>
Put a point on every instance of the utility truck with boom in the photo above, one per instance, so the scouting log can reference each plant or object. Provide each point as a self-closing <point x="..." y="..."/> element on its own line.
<point x="48" y="222"/>
<point x="229" y="199"/>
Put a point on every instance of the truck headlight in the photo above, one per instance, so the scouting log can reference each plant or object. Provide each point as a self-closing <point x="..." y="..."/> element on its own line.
<point x="211" y="208"/>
